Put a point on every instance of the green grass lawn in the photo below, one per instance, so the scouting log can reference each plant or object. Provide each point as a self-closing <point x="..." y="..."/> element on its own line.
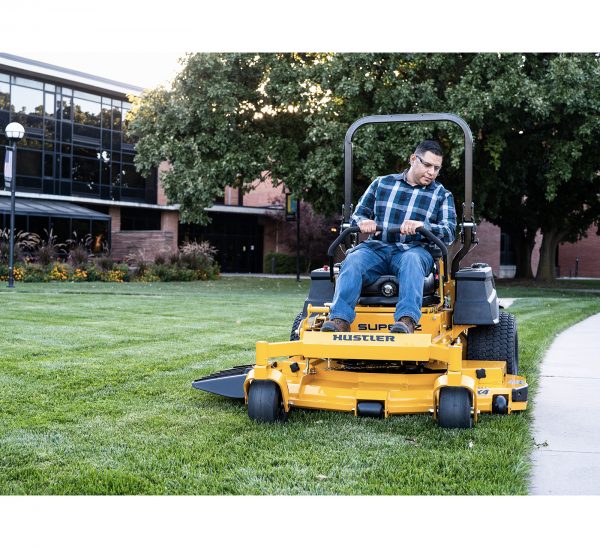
<point x="96" y="398"/>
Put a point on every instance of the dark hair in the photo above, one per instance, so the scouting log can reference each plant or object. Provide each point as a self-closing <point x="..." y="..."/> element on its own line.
<point x="429" y="146"/>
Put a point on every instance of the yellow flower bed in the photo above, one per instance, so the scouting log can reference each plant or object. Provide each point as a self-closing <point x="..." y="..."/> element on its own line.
<point x="59" y="273"/>
<point x="18" y="273"/>
<point x="115" y="276"/>
<point x="80" y="275"/>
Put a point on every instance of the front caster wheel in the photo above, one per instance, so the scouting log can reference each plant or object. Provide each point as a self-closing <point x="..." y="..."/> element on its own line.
<point x="265" y="403"/>
<point x="454" y="409"/>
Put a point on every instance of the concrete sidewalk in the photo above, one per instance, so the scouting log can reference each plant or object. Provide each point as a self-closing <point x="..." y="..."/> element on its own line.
<point x="567" y="414"/>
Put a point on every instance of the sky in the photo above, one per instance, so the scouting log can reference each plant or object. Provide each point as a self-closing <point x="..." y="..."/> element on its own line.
<point x="140" y="43"/>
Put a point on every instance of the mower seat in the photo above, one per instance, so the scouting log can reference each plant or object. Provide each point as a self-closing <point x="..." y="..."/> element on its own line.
<point x="385" y="290"/>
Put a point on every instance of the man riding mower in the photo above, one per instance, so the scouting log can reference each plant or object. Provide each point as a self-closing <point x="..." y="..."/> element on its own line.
<point x="426" y="338"/>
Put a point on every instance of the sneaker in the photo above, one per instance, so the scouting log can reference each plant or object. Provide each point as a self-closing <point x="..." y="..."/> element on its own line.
<point x="404" y="325"/>
<point x="336" y="324"/>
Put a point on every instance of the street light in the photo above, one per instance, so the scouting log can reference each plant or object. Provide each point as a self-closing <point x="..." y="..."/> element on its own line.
<point x="14" y="133"/>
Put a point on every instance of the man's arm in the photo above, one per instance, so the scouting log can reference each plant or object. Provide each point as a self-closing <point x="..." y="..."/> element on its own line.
<point x="365" y="210"/>
<point x="445" y="226"/>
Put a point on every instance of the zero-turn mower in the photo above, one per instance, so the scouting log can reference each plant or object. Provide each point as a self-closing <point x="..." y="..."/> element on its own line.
<point x="462" y="359"/>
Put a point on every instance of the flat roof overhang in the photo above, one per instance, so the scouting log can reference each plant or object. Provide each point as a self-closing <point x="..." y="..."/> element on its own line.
<point x="51" y="208"/>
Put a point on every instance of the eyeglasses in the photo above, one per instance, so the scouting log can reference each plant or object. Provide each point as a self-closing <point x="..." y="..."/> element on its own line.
<point x="427" y="165"/>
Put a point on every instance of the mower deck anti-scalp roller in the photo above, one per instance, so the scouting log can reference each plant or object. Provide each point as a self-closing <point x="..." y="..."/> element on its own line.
<point x="461" y="361"/>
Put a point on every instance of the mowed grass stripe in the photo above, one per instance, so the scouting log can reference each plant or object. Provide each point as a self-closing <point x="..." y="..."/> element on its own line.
<point x="96" y="398"/>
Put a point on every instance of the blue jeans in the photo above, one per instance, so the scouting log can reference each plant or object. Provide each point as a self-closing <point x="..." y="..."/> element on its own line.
<point x="365" y="264"/>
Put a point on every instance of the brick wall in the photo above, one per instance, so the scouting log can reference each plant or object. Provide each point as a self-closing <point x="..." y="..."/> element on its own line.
<point x="488" y="249"/>
<point x="149" y="242"/>
<point x="588" y="252"/>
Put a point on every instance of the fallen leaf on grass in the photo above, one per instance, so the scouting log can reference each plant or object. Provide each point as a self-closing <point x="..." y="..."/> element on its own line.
<point x="321" y="477"/>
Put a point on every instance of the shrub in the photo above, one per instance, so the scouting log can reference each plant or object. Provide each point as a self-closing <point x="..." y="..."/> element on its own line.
<point x="49" y="249"/>
<point x="36" y="273"/>
<point x="115" y="275"/>
<point x="25" y="244"/>
<point x="60" y="272"/>
<point x="78" y="256"/>
<point x="18" y="273"/>
<point x="105" y="263"/>
<point x="93" y="273"/>
<point x="80" y="275"/>
<point x="282" y="263"/>
<point x="161" y="258"/>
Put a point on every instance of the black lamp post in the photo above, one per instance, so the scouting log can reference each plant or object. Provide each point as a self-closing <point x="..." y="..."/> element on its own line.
<point x="14" y="133"/>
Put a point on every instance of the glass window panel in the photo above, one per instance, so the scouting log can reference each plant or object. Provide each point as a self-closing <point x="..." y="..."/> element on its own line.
<point x="87" y="96"/>
<point x="50" y="87"/>
<point x="66" y="105"/>
<point x="4" y="118"/>
<point x="50" y="105"/>
<point x="66" y="149"/>
<point x="61" y="228"/>
<point x="65" y="171"/>
<point x="4" y="78"/>
<point x="116" y="140"/>
<point x="80" y="228"/>
<point x="34" y="125"/>
<point x="106" y="114"/>
<point x="29" y="163"/>
<point x="48" y="165"/>
<point x="86" y="112"/>
<point x="49" y="132"/>
<point x="27" y="101"/>
<point x="106" y="140"/>
<point x="30" y="142"/>
<point x="4" y="96"/>
<point x="85" y="170"/>
<point x="67" y="130"/>
<point x="131" y="178"/>
<point x="39" y="225"/>
<point x="116" y="116"/>
<point x="85" y="152"/>
<point x="27" y="82"/>
<point x="128" y="158"/>
<point x="86" y="132"/>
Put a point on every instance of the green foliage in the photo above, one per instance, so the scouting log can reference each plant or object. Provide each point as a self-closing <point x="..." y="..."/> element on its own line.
<point x="282" y="263"/>
<point x="232" y="118"/>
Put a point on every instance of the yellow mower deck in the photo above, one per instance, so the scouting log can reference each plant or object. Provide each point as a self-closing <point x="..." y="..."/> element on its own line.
<point x="313" y="371"/>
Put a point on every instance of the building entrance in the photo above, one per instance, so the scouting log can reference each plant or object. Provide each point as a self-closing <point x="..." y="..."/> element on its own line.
<point x="238" y="239"/>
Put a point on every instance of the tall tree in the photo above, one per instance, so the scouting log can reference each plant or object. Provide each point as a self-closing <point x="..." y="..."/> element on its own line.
<point x="236" y="117"/>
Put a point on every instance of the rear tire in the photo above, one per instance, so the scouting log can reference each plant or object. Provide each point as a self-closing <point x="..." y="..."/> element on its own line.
<point x="264" y="402"/>
<point x="498" y="342"/>
<point x="454" y="409"/>
<point x="294" y="333"/>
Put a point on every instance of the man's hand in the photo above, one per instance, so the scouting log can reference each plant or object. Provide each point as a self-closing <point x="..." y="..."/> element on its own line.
<point x="367" y="227"/>
<point x="410" y="227"/>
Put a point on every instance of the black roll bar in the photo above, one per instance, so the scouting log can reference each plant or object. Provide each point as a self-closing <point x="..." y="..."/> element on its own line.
<point x="425" y="117"/>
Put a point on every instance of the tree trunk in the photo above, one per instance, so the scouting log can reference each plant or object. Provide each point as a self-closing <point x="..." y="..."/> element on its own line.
<point x="523" y="246"/>
<point x="546" y="271"/>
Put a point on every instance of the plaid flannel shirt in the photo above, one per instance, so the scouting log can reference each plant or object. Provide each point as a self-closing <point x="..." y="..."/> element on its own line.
<point x="390" y="200"/>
